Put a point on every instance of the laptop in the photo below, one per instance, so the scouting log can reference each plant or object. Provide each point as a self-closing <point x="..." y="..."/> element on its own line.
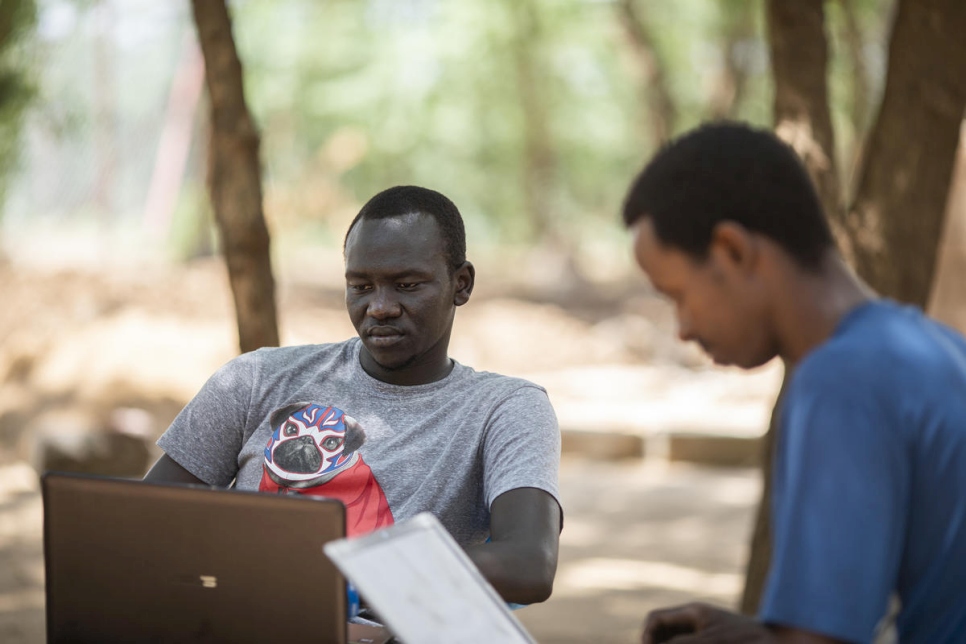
<point x="425" y="587"/>
<point x="133" y="561"/>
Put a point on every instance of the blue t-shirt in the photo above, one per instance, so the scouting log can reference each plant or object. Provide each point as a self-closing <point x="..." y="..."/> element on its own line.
<point x="869" y="488"/>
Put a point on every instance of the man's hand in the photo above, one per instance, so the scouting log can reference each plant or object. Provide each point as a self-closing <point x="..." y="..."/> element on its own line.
<point x="700" y="623"/>
<point x="695" y="623"/>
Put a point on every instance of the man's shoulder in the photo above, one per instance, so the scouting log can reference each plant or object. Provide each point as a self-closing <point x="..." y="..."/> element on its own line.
<point x="496" y="382"/>
<point x="288" y="353"/>
<point x="888" y="370"/>
<point x="883" y="342"/>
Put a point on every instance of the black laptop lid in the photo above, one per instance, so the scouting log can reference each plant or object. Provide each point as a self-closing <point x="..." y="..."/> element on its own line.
<point x="141" y="562"/>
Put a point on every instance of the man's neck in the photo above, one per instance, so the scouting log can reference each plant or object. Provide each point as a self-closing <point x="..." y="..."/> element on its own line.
<point x="418" y="372"/>
<point x="814" y="303"/>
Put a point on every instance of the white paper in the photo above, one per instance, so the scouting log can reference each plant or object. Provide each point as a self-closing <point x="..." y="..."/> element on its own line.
<point x="420" y="581"/>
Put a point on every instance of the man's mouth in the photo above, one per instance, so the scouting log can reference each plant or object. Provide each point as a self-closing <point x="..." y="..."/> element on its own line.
<point x="383" y="335"/>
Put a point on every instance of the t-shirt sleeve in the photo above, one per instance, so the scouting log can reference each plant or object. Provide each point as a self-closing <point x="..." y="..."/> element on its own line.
<point x="521" y="445"/>
<point x="208" y="434"/>
<point x="839" y="503"/>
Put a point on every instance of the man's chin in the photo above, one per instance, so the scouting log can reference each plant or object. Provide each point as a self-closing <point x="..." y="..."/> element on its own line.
<point x="387" y="360"/>
<point x="744" y="363"/>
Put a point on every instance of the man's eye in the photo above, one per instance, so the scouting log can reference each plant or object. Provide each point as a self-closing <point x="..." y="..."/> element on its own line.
<point x="359" y="288"/>
<point x="408" y="286"/>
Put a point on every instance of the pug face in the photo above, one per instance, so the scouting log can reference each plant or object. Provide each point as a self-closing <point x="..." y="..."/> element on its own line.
<point x="310" y="444"/>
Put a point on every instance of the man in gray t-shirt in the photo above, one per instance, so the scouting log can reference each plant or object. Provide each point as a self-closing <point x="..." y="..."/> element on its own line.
<point x="387" y="422"/>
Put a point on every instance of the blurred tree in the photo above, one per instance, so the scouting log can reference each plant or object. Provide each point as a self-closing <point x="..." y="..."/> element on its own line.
<point x="234" y="177"/>
<point x="896" y="217"/>
<point x="891" y="231"/>
<point x="520" y="112"/>
<point x="105" y="110"/>
<point x="799" y="58"/>
<point x="654" y="87"/>
<point x="539" y="154"/>
<point x="737" y="31"/>
<point x="17" y="20"/>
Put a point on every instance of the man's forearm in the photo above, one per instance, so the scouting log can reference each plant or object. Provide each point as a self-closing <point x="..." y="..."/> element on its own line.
<point x="519" y="574"/>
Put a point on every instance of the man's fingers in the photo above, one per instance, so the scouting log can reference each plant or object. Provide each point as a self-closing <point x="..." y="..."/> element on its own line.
<point x="667" y="623"/>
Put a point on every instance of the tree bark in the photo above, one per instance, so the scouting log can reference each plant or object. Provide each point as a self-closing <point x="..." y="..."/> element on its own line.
<point x="234" y="180"/>
<point x="799" y="56"/>
<point x="661" y="108"/>
<point x="896" y="218"/>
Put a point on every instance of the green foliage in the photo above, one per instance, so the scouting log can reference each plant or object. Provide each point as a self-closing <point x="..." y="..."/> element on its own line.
<point x="530" y="115"/>
<point x="17" y="20"/>
<point x="468" y="96"/>
<point x="362" y="96"/>
<point x="192" y="233"/>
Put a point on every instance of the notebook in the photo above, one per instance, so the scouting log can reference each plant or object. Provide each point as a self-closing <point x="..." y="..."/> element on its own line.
<point x="424" y="586"/>
<point x="142" y="562"/>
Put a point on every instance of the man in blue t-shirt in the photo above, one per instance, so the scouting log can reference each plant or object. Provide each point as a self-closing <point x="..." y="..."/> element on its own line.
<point x="869" y="487"/>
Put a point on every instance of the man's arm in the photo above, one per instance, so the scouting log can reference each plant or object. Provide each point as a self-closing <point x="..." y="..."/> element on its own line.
<point x="703" y="624"/>
<point x="167" y="470"/>
<point x="520" y="560"/>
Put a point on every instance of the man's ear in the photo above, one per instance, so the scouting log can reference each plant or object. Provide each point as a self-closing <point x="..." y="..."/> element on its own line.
<point x="465" y="278"/>
<point x="733" y="246"/>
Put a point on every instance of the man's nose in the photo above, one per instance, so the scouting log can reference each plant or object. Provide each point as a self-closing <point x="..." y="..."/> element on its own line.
<point x="383" y="305"/>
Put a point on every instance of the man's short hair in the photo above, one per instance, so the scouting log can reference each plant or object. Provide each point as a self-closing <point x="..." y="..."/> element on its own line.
<point x="730" y="172"/>
<point x="405" y="200"/>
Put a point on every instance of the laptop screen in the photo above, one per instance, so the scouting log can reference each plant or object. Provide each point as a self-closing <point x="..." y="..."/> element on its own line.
<point x="134" y="561"/>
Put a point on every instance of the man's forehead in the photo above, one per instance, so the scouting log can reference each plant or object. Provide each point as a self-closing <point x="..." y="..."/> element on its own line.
<point x="660" y="262"/>
<point x="409" y="241"/>
<point x="409" y="227"/>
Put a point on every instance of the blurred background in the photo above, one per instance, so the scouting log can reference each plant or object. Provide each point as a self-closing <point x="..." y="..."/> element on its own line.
<point x="533" y="117"/>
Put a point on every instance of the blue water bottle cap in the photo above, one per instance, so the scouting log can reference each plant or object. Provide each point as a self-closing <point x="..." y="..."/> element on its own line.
<point x="353" y="597"/>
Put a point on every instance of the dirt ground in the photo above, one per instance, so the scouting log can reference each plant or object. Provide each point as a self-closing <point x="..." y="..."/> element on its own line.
<point x="120" y="351"/>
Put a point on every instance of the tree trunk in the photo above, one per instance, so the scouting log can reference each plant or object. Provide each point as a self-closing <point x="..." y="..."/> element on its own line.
<point x="896" y="219"/>
<point x="234" y="180"/>
<point x="655" y="89"/>
<point x="799" y="56"/>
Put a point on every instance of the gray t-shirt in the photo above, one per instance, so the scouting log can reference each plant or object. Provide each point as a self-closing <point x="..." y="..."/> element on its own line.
<point x="310" y="420"/>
